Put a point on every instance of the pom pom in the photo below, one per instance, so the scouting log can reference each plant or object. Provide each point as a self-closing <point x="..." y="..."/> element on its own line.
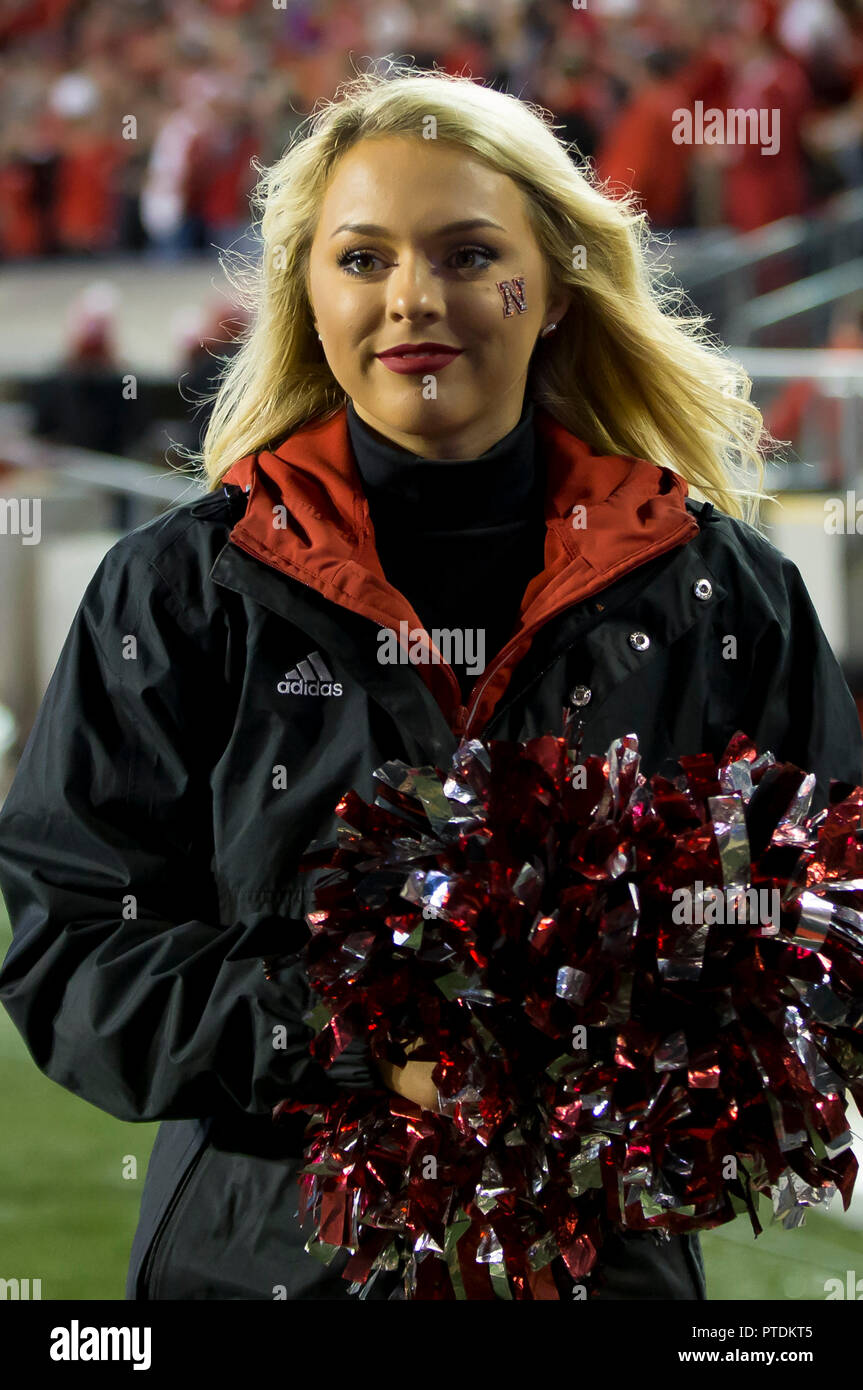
<point x="644" y="1001"/>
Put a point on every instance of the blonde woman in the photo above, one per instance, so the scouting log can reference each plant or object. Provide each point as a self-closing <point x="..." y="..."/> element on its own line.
<point x="450" y="477"/>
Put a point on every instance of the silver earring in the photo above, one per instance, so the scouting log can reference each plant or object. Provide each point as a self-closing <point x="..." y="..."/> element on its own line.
<point x="320" y="339"/>
<point x="549" y="328"/>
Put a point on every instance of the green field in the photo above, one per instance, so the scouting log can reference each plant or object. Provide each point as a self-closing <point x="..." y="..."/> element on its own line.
<point x="68" y="1214"/>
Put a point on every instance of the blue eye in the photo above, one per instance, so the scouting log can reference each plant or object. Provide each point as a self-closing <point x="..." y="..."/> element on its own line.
<point x="347" y="259"/>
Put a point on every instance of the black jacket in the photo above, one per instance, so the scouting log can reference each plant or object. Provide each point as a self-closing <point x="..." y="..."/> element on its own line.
<point x="217" y="692"/>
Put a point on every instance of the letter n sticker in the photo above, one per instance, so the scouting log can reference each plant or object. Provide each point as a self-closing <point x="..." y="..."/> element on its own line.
<point x="513" y="295"/>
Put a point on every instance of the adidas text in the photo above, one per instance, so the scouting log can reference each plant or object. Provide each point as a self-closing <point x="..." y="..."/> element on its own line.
<point x="300" y="687"/>
<point x="311" y="676"/>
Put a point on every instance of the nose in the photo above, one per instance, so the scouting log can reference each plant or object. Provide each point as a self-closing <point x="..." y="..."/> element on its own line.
<point x="413" y="289"/>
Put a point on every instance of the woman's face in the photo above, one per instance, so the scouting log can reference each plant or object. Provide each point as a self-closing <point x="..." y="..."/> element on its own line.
<point x="413" y="239"/>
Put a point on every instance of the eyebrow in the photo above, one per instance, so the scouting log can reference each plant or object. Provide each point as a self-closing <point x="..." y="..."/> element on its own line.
<point x="374" y="228"/>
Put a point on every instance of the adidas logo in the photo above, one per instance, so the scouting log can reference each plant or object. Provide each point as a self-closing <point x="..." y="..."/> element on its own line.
<point x="309" y="677"/>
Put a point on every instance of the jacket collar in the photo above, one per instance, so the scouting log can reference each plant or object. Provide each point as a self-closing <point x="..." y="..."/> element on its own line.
<point x="307" y="515"/>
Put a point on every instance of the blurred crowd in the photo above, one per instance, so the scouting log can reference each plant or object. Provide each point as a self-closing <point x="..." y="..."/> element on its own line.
<point x="131" y="127"/>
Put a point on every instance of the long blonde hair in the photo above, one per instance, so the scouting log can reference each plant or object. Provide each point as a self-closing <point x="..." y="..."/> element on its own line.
<point x="631" y="369"/>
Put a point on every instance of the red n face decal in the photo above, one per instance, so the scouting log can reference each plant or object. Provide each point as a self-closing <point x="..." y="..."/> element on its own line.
<point x="513" y="295"/>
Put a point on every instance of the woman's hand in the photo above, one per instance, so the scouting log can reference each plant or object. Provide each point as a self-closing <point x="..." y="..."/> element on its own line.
<point x="412" y="1081"/>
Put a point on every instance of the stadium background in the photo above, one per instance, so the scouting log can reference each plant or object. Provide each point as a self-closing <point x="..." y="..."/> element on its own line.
<point x="126" y="134"/>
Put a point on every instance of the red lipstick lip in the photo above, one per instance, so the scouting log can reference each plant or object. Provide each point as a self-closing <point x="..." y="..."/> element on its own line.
<point x="430" y="348"/>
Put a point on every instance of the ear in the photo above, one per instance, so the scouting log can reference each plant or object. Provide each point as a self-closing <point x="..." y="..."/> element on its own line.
<point x="310" y="308"/>
<point x="557" y="307"/>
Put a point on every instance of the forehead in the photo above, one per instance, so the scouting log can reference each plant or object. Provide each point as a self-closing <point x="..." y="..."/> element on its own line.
<point x="412" y="181"/>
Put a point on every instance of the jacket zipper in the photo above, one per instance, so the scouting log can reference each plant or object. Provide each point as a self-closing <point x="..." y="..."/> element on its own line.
<point x="158" y="1235"/>
<point x="464" y="714"/>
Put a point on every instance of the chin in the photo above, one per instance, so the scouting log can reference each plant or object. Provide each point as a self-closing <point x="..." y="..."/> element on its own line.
<point x="415" y="415"/>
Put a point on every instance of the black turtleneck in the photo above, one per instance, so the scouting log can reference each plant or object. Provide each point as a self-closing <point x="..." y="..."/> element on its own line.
<point x="460" y="538"/>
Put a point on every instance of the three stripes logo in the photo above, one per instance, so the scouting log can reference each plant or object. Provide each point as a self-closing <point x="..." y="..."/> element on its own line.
<point x="311" y="676"/>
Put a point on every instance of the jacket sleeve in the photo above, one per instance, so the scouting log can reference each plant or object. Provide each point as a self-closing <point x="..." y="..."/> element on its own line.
<point x="797" y="701"/>
<point x="126" y="987"/>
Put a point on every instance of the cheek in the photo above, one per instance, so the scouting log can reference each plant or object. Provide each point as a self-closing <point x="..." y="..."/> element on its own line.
<point x="504" y="327"/>
<point x="333" y="293"/>
<point x="349" y="308"/>
<point x="345" y="324"/>
<point x="503" y="307"/>
<point x="480" y="311"/>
